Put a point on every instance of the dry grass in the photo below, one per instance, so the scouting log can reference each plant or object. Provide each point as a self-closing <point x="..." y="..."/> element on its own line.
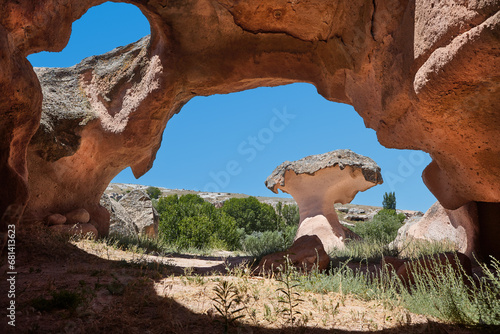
<point x="124" y="292"/>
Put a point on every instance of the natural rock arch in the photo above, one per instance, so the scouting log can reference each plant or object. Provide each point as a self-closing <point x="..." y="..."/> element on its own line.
<point x="422" y="74"/>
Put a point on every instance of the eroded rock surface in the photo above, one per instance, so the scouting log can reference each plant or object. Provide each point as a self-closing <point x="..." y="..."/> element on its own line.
<point x="120" y="222"/>
<point x="140" y="209"/>
<point x="436" y="225"/>
<point x="317" y="182"/>
<point x="423" y="74"/>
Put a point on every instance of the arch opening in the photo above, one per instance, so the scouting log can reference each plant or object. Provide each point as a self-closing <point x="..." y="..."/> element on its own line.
<point x="231" y="143"/>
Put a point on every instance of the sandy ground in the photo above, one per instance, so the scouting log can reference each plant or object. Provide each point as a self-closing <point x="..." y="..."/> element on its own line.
<point x="123" y="292"/>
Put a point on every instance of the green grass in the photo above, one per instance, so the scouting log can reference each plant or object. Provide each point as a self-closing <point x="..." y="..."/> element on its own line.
<point x="415" y="248"/>
<point x="362" y="250"/>
<point x="440" y="291"/>
<point x="139" y="244"/>
<point x="259" y="244"/>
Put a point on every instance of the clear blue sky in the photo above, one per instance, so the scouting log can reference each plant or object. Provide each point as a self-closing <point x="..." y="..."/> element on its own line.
<point x="231" y="143"/>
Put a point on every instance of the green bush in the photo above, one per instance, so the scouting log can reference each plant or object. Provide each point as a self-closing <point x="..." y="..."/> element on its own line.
<point x="153" y="192"/>
<point x="443" y="292"/>
<point x="289" y="213"/>
<point x="259" y="244"/>
<point x="191" y="222"/>
<point x="382" y="228"/>
<point x="389" y="201"/>
<point x="251" y="215"/>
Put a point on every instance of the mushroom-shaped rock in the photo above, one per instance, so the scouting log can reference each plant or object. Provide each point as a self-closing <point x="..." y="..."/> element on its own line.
<point x="317" y="182"/>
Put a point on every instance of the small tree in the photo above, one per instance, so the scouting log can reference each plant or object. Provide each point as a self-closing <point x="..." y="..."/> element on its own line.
<point x="153" y="192"/>
<point x="389" y="201"/>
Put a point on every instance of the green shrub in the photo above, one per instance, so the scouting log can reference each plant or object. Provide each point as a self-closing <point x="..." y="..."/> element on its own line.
<point x="382" y="228"/>
<point x="140" y="243"/>
<point x="259" y="244"/>
<point x="389" y="201"/>
<point x="442" y="292"/>
<point x="290" y="214"/>
<point x="251" y="215"/>
<point x="153" y="192"/>
<point x="191" y="222"/>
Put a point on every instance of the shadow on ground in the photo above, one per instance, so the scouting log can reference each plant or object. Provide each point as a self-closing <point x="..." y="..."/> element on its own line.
<point x="117" y="297"/>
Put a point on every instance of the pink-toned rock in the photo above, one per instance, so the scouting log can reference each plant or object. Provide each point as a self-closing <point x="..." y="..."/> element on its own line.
<point x="318" y="182"/>
<point x="56" y="219"/>
<point x="76" y="229"/>
<point x="306" y="253"/>
<point x="78" y="216"/>
<point x="435" y="225"/>
<point x="423" y="74"/>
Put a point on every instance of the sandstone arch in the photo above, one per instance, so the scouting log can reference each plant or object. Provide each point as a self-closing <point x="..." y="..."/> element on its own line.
<point x="424" y="75"/>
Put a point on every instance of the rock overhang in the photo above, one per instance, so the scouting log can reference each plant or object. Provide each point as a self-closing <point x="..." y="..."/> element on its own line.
<point x="338" y="159"/>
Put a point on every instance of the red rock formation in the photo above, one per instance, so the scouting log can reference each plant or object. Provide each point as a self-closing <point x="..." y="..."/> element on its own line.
<point x="319" y="181"/>
<point x="306" y="253"/>
<point x="423" y="74"/>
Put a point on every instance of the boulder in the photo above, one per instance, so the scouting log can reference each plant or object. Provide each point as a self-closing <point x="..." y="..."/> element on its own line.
<point x="139" y="208"/>
<point x="56" y="219"/>
<point x="317" y="182"/>
<point x="120" y="222"/>
<point x="436" y="225"/>
<point x="356" y="211"/>
<point x="358" y="218"/>
<point x="78" y="216"/>
<point x="306" y="253"/>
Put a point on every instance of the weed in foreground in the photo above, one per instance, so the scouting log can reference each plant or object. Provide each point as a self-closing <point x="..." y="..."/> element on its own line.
<point x="226" y="295"/>
<point x="449" y="294"/>
<point x="288" y="296"/>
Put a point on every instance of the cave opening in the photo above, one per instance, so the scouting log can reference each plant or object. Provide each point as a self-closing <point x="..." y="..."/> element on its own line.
<point x="231" y="143"/>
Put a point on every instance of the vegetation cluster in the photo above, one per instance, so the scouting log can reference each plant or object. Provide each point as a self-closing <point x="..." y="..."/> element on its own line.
<point x="244" y="224"/>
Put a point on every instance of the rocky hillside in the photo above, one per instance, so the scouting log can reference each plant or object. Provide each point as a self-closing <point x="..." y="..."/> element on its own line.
<point x="348" y="213"/>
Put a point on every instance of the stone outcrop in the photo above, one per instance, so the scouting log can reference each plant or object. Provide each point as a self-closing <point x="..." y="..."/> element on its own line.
<point x="317" y="182"/>
<point x="439" y="224"/>
<point x="422" y="74"/>
<point x="140" y="209"/>
<point x="120" y="222"/>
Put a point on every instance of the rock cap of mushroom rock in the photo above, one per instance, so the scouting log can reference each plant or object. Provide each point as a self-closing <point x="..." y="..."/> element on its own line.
<point x="313" y="163"/>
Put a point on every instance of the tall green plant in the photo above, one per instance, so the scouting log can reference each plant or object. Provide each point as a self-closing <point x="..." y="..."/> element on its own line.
<point x="389" y="201"/>
<point x="382" y="228"/>
<point x="189" y="221"/>
<point x="288" y="295"/>
<point x="226" y="295"/>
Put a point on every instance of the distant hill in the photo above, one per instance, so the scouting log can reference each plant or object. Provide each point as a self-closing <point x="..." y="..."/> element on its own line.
<point x="348" y="213"/>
